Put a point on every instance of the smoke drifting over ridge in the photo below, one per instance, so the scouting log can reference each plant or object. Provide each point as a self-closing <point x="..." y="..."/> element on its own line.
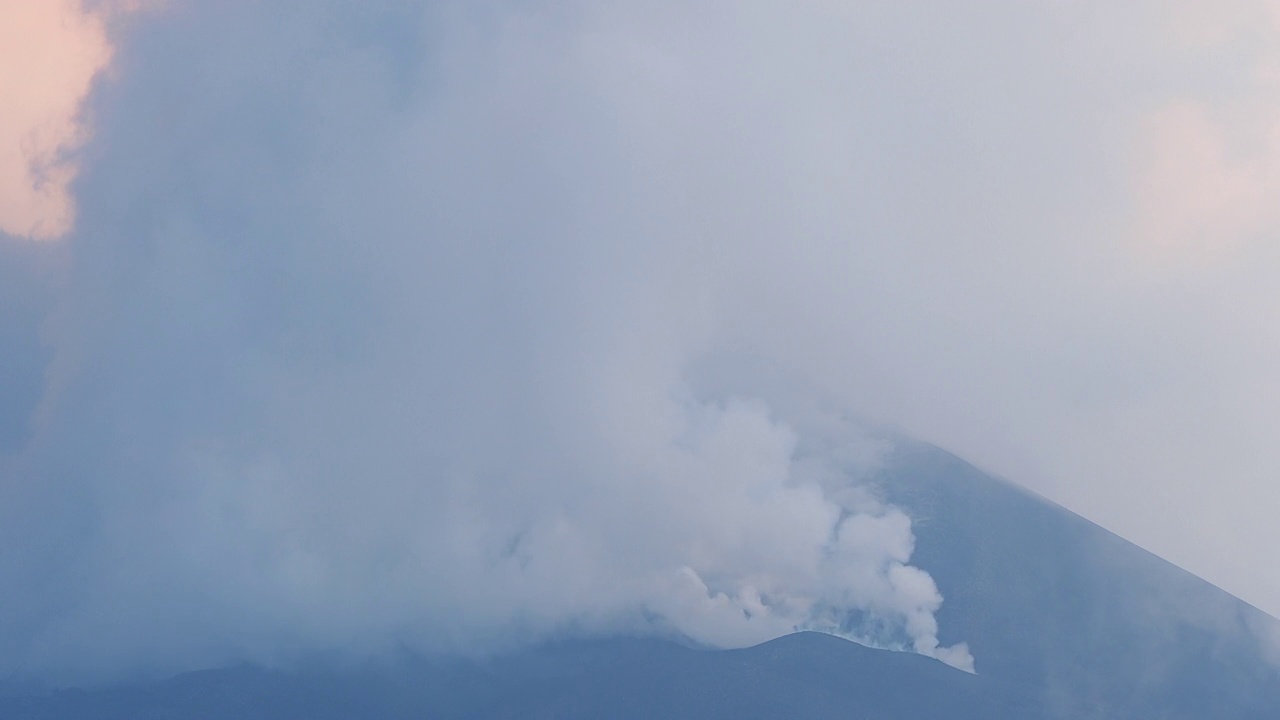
<point x="368" y="339"/>
<point x="403" y="322"/>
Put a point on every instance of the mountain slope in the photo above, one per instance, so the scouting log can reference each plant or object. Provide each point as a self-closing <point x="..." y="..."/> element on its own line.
<point x="1066" y="620"/>
<point x="806" y="675"/>
<point x="1048" y="600"/>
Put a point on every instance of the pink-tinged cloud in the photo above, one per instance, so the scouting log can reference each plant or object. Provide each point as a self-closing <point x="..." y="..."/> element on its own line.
<point x="1198" y="199"/>
<point x="50" y="51"/>
<point x="1201" y="25"/>
<point x="1207" y="181"/>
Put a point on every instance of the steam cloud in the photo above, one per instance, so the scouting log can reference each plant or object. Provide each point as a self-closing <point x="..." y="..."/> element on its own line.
<point x="435" y="322"/>
<point x="375" y="330"/>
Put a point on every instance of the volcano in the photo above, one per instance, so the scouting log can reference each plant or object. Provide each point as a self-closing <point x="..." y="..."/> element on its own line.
<point x="1065" y="619"/>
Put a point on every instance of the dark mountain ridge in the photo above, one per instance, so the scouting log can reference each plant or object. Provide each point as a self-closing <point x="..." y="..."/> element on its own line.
<point x="807" y="675"/>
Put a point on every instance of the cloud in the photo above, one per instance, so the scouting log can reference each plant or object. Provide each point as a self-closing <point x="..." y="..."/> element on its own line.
<point x="1196" y="202"/>
<point x="49" y="54"/>
<point x="28" y="283"/>
<point x="368" y="337"/>
<point x="383" y="313"/>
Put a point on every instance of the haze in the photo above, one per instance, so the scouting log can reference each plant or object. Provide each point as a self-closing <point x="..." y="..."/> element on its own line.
<point x="362" y="301"/>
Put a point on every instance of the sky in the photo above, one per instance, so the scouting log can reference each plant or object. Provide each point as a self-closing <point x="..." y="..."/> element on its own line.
<point x="323" y="322"/>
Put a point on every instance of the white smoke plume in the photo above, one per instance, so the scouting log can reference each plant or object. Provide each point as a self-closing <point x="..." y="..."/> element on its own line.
<point x="377" y="329"/>
<point x="408" y="322"/>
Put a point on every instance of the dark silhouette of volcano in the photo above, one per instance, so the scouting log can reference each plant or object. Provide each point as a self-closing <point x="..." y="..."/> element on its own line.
<point x="801" y="675"/>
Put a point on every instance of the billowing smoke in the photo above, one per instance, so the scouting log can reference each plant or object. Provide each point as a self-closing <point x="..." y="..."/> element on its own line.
<point x="439" y="323"/>
<point x="376" y="330"/>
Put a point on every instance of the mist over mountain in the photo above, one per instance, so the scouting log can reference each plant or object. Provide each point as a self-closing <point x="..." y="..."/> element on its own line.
<point x="1100" y="627"/>
<point x="1067" y="620"/>
<point x="452" y="340"/>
